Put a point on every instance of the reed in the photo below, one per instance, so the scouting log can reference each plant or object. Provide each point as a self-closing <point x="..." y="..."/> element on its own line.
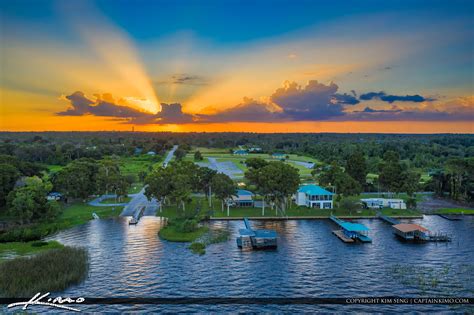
<point x="50" y="271"/>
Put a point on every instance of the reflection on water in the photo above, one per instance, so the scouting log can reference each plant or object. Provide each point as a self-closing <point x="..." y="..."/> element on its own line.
<point x="132" y="261"/>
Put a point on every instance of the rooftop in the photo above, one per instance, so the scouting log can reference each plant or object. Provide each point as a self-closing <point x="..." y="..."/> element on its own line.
<point x="409" y="227"/>
<point x="353" y="227"/>
<point x="243" y="192"/>
<point x="314" y="190"/>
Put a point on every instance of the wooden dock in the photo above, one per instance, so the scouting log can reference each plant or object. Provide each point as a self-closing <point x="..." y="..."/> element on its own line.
<point x="388" y="219"/>
<point x="342" y="237"/>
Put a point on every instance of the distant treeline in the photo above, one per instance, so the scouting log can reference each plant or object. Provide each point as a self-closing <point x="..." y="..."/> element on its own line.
<point x="427" y="152"/>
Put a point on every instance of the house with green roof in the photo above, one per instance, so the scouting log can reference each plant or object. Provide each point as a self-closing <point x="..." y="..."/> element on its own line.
<point x="313" y="196"/>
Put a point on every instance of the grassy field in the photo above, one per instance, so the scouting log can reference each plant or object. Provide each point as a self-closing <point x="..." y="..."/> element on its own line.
<point x="134" y="164"/>
<point x="26" y="248"/>
<point x="296" y="211"/>
<point x="135" y="188"/>
<point x="112" y="200"/>
<point x="80" y="213"/>
<point x="222" y="155"/>
<point x="456" y="211"/>
<point x="170" y="233"/>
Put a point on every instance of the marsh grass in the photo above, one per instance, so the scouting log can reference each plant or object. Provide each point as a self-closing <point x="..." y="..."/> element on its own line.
<point x="50" y="271"/>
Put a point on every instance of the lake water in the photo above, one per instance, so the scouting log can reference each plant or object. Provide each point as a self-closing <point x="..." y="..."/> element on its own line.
<point x="131" y="261"/>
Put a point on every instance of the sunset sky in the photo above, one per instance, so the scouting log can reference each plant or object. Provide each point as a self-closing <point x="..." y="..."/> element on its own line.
<point x="254" y="66"/>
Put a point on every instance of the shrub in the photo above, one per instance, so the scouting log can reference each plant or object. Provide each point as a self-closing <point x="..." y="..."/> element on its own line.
<point x="39" y="244"/>
<point x="198" y="248"/>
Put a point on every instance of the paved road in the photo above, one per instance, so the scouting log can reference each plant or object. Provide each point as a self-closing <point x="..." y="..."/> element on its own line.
<point x="97" y="202"/>
<point x="139" y="200"/>
<point x="169" y="156"/>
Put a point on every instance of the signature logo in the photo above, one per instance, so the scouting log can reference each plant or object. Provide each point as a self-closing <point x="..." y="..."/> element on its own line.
<point x="44" y="300"/>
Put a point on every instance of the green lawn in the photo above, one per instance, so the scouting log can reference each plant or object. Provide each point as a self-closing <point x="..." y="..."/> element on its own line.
<point x="169" y="233"/>
<point x="455" y="211"/>
<point x="112" y="200"/>
<point x="300" y="211"/>
<point x="171" y="210"/>
<point x="135" y="188"/>
<point x="26" y="248"/>
<point x="224" y="156"/>
<point x="80" y="213"/>
<point x="135" y="164"/>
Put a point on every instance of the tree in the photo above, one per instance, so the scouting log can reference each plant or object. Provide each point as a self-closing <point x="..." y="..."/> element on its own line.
<point x="224" y="188"/>
<point x="110" y="179"/>
<point x="390" y="176"/>
<point x="344" y="184"/>
<point x="277" y="181"/>
<point x="77" y="179"/>
<point x="198" y="156"/>
<point x="159" y="184"/>
<point x="9" y="174"/>
<point x="356" y="167"/>
<point x="349" y="205"/>
<point x="176" y="182"/>
<point x="179" y="154"/>
<point x="28" y="203"/>
<point x="411" y="182"/>
<point x="204" y="180"/>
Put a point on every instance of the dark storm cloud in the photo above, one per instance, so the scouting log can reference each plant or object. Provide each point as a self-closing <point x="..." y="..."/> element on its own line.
<point x="81" y="105"/>
<point x="393" y="98"/>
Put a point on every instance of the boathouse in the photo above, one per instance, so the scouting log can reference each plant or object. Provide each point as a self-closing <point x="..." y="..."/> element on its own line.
<point x="351" y="231"/>
<point x="411" y="232"/>
<point x="313" y="196"/>
<point x="243" y="198"/>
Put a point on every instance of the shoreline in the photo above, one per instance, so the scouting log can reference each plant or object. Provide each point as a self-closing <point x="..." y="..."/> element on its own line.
<point x="313" y="217"/>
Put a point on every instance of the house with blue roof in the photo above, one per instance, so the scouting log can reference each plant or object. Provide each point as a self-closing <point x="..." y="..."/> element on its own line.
<point x="313" y="196"/>
<point x="243" y="198"/>
<point x="241" y="152"/>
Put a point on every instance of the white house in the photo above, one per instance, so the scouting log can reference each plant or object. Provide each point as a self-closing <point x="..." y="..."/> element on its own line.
<point x="313" y="196"/>
<point x="378" y="203"/>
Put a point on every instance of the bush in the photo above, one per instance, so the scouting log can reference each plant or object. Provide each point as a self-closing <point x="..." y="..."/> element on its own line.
<point x="198" y="248"/>
<point x="53" y="270"/>
<point x="39" y="244"/>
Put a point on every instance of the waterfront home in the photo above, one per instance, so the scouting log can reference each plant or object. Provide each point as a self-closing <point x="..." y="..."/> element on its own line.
<point x="54" y="196"/>
<point x="241" y="152"/>
<point x="313" y="196"/>
<point x="243" y="198"/>
<point x="278" y="156"/>
<point x="379" y="203"/>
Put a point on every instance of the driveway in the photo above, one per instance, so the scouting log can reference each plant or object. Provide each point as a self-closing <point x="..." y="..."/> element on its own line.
<point x="139" y="200"/>
<point x="97" y="202"/>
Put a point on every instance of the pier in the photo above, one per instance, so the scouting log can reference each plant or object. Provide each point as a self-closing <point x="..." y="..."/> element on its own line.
<point x="418" y="233"/>
<point x="351" y="232"/>
<point x="388" y="219"/>
<point x="256" y="239"/>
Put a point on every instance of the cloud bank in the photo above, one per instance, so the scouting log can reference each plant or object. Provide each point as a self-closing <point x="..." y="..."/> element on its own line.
<point x="292" y="102"/>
